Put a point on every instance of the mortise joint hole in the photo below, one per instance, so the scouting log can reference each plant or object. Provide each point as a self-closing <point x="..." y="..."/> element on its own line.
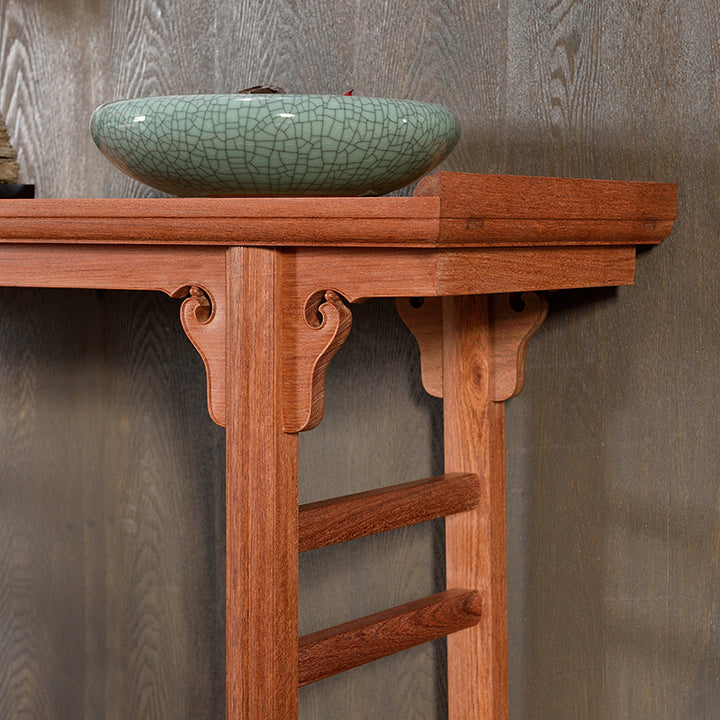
<point x="516" y="302"/>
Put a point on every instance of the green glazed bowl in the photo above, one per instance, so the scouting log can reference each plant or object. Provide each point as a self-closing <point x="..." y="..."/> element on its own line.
<point x="274" y="145"/>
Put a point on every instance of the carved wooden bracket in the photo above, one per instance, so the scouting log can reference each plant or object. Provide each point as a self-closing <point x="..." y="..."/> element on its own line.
<point x="317" y="322"/>
<point x="511" y="327"/>
<point x="203" y="318"/>
<point x="423" y="316"/>
<point x="196" y="273"/>
<point x="313" y="331"/>
<point x="315" y="288"/>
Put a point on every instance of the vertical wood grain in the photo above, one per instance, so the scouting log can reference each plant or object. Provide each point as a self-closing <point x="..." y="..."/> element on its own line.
<point x="262" y="500"/>
<point x="43" y="45"/>
<point x="602" y="433"/>
<point x="100" y="611"/>
<point x="475" y="540"/>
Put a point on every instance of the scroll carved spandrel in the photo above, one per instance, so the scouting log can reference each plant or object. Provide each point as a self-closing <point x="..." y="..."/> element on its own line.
<point x="313" y="332"/>
<point x="512" y="324"/>
<point x="203" y="319"/>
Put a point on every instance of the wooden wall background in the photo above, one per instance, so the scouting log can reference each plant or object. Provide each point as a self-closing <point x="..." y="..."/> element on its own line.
<point x="111" y="485"/>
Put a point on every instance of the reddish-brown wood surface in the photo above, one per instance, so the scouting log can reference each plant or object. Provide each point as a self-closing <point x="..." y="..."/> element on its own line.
<point x="307" y="273"/>
<point x="117" y="266"/>
<point x="340" y="648"/>
<point x="314" y="329"/>
<point x="516" y="269"/>
<point x="223" y="221"/>
<point x="475" y="540"/>
<point x="358" y="273"/>
<point x="511" y="209"/>
<point x="523" y="196"/>
<point x="423" y="317"/>
<point x="449" y="209"/>
<point x="352" y="516"/>
<point x="510" y="330"/>
<point x="261" y="501"/>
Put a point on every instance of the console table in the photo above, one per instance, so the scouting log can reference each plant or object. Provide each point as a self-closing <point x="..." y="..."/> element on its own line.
<point x="268" y="284"/>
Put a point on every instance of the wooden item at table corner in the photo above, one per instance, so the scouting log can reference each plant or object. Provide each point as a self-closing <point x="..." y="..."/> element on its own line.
<point x="510" y="330"/>
<point x="262" y="500"/>
<point x="349" y="274"/>
<point x="527" y="196"/>
<point x="9" y="168"/>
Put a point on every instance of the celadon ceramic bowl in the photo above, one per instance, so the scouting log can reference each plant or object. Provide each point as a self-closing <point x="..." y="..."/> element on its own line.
<point x="274" y="145"/>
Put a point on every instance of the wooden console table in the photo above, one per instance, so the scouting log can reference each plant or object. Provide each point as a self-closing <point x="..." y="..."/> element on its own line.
<point x="268" y="285"/>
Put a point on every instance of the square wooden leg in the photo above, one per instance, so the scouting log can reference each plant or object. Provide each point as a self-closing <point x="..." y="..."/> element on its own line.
<point x="475" y="540"/>
<point x="262" y="501"/>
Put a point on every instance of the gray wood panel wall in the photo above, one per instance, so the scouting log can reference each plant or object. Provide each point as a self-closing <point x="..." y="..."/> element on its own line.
<point x="111" y="474"/>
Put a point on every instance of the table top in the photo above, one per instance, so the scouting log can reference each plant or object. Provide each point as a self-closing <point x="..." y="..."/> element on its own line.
<point x="447" y="210"/>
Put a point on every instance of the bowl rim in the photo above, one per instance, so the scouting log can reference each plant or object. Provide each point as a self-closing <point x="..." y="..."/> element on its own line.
<point x="276" y="97"/>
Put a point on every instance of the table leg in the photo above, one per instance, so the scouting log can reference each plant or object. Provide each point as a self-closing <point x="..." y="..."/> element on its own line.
<point x="475" y="540"/>
<point x="262" y="500"/>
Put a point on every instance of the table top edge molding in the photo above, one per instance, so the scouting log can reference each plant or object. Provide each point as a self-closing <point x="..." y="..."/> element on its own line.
<point x="448" y="210"/>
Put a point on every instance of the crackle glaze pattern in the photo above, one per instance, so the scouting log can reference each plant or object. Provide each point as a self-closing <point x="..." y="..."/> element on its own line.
<point x="257" y="145"/>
